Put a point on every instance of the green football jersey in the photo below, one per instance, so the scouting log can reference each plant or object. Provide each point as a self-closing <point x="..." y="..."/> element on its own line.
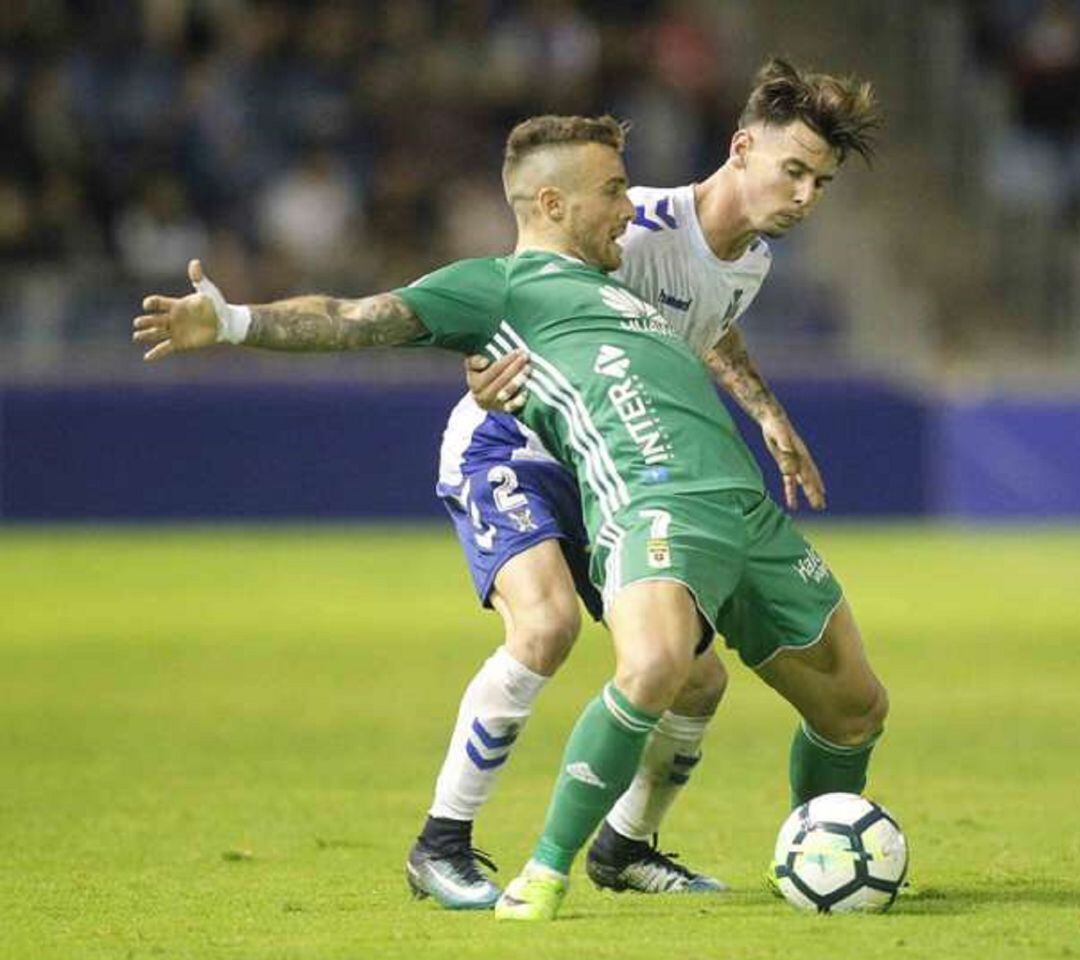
<point x="614" y="393"/>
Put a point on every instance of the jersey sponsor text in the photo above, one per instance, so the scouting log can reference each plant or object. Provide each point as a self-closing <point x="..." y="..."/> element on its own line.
<point x="631" y="405"/>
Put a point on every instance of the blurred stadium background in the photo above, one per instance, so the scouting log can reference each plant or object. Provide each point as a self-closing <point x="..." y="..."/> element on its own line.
<point x="924" y="328"/>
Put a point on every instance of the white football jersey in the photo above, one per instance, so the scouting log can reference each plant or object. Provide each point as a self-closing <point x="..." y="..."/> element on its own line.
<point x="667" y="260"/>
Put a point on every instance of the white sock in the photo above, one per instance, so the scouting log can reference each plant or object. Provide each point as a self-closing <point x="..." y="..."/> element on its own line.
<point x="493" y="710"/>
<point x="671" y="753"/>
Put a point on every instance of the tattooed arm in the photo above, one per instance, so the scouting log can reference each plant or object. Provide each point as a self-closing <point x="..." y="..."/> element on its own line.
<point x="326" y="323"/>
<point x="735" y="371"/>
<point x="175" y="324"/>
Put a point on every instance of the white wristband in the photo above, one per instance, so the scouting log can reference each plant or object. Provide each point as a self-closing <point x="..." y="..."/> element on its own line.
<point x="233" y="320"/>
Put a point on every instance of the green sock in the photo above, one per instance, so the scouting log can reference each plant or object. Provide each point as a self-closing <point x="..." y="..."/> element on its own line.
<point x="598" y="764"/>
<point x="818" y="766"/>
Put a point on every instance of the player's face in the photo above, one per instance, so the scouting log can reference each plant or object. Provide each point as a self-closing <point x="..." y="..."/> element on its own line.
<point x="597" y="206"/>
<point x="785" y="173"/>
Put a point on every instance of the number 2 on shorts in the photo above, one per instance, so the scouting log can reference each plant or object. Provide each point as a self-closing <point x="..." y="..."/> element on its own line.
<point x="505" y="483"/>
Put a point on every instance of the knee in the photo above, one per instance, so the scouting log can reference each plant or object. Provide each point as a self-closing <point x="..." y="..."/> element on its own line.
<point x="862" y="719"/>
<point x="879" y="711"/>
<point x="653" y="681"/>
<point x="543" y="635"/>
<point x="704" y="689"/>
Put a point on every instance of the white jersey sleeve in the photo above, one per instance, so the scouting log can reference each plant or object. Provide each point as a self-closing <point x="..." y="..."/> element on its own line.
<point x="667" y="260"/>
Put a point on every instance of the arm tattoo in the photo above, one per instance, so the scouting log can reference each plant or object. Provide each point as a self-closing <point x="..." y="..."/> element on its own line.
<point x="325" y="323"/>
<point x="733" y="369"/>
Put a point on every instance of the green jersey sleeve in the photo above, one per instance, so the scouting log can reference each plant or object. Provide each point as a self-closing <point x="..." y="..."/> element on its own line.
<point x="461" y="305"/>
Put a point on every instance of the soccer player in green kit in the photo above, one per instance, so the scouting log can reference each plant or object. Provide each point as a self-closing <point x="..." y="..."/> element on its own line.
<point x="684" y="537"/>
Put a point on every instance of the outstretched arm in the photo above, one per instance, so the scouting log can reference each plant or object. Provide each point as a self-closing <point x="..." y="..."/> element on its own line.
<point x="311" y="323"/>
<point x="327" y="323"/>
<point x="735" y="371"/>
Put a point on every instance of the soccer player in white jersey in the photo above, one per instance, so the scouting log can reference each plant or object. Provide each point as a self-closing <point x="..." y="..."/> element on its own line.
<point x="699" y="253"/>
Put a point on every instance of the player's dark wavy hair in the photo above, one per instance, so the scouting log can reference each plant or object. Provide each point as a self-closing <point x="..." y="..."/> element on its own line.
<point x="550" y="130"/>
<point x="843" y="111"/>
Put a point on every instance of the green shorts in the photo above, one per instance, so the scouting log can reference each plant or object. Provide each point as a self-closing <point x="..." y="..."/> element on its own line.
<point x="754" y="577"/>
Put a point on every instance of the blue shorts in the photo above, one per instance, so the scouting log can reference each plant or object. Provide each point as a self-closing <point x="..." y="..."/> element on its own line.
<point x="502" y="510"/>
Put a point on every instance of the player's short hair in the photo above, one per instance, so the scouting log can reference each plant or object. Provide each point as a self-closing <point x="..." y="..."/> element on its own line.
<point x="549" y="131"/>
<point x="843" y="111"/>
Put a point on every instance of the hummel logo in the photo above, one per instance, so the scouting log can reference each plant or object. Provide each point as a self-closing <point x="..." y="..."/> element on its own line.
<point x="612" y="362"/>
<point x="676" y="303"/>
<point x="583" y="773"/>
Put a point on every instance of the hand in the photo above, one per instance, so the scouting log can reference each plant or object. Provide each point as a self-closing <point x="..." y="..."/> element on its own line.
<point x="797" y="467"/>
<point x="176" y="324"/>
<point x="499" y="385"/>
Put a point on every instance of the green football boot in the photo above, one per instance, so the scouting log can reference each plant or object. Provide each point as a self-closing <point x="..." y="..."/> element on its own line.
<point x="535" y="895"/>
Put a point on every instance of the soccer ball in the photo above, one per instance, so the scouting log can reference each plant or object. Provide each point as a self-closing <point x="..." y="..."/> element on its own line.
<point x="839" y="853"/>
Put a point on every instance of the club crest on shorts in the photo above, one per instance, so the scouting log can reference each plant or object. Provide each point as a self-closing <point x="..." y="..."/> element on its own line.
<point x="522" y="520"/>
<point x="659" y="551"/>
<point x="658" y="546"/>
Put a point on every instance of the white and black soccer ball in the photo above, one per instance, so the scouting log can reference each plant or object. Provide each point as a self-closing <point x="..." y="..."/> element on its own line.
<point x="840" y="853"/>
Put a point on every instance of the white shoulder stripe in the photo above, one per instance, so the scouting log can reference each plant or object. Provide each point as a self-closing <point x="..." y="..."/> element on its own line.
<point x="502" y="343"/>
<point x="582" y="434"/>
<point x="599" y="468"/>
<point x="594" y="464"/>
<point x="570" y="394"/>
<point x="538" y="388"/>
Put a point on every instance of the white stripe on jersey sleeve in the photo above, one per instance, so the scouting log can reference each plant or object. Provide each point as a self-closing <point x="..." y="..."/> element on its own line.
<point x="579" y="415"/>
<point x="545" y="385"/>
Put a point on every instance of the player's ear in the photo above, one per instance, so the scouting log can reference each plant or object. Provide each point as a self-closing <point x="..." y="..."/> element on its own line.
<point x="552" y="203"/>
<point x="741" y="142"/>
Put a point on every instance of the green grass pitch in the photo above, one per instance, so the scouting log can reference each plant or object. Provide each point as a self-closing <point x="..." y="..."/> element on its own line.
<point x="219" y="742"/>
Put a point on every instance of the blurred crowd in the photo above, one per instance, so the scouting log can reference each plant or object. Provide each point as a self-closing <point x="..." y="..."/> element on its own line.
<point x="1034" y="47"/>
<point x="351" y="146"/>
<point x="339" y="146"/>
